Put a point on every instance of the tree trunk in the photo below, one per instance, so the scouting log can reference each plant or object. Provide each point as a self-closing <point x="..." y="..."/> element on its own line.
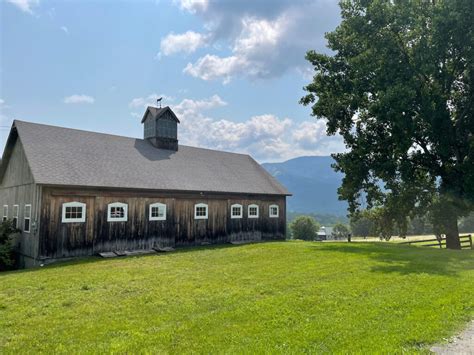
<point x="452" y="232"/>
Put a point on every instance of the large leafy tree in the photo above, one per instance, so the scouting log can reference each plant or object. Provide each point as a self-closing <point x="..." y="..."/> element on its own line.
<point x="398" y="87"/>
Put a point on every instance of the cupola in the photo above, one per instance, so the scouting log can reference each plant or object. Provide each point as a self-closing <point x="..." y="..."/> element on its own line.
<point x="160" y="127"/>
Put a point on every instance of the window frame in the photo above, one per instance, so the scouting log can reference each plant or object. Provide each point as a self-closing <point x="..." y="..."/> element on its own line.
<point x="25" y="218"/>
<point x="277" y="211"/>
<point x="5" y="214"/>
<point x="201" y="205"/>
<point x="253" y="206"/>
<point x="73" y="204"/>
<point x="153" y="205"/>
<point x="117" y="219"/>
<point x="232" y="216"/>
<point x="15" y="218"/>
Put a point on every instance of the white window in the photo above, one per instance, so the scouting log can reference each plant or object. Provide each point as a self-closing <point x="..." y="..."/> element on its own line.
<point x="27" y="218"/>
<point x="5" y="213"/>
<point x="15" y="216"/>
<point x="74" y="212"/>
<point x="117" y="212"/>
<point x="236" y="211"/>
<point x="200" y="211"/>
<point x="253" y="211"/>
<point x="274" y="211"/>
<point x="157" y="212"/>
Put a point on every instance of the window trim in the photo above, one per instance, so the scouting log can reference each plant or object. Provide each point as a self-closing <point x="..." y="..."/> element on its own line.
<point x="117" y="219"/>
<point x="270" y="211"/>
<point x="74" y="220"/>
<point x="157" y="204"/>
<point x="27" y="218"/>
<point x="5" y="216"/>
<point x="248" y="211"/>
<point x="201" y="205"/>
<point x="17" y="215"/>
<point x="232" y="216"/>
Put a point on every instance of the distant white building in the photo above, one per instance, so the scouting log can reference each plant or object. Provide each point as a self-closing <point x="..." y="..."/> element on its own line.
<point x="325" y="233"/>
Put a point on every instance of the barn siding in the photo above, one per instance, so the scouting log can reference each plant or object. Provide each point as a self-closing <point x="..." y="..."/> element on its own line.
<point x="18" y="188"/>
<point x="61" y="240"/>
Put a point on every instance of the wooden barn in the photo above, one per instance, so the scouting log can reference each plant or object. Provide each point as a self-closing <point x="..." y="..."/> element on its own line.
<point x="75" y="193"/>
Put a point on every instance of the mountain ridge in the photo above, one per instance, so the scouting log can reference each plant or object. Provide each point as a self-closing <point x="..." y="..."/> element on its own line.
<point x="313" y="183"/>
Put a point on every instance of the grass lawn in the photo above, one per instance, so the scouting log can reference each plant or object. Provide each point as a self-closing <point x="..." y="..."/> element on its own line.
<point x="272" y="297"/>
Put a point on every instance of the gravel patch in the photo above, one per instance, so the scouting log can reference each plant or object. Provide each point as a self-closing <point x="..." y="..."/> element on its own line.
<point x="460" y="344"/>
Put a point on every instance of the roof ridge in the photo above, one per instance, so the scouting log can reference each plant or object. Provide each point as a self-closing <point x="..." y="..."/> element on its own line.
<point x="121" y="136"/>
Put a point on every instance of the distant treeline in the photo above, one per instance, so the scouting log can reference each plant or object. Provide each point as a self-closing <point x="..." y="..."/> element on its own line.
<point x="367" y="225"/>
<point x="327" y="220"/>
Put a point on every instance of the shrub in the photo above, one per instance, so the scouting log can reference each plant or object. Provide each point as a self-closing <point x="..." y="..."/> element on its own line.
<point x="340" y="231"/>
<point x="304" y="227"/>
<point x="7" y="254"/>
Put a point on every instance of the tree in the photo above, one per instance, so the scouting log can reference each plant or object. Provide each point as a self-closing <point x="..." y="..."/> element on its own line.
<point x="341" y="231"/>
<point x="398" y="87"/>
<point x="361" y="224"/>
<point x="304" y="227"/>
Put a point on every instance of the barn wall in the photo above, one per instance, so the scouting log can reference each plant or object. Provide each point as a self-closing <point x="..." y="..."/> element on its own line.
<point x="18" y="188"/>
<point x="60" y="240"/>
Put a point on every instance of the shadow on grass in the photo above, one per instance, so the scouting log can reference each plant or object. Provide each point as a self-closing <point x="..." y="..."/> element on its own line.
<point x="97" y="259"/>
<point x="393" y="258"/>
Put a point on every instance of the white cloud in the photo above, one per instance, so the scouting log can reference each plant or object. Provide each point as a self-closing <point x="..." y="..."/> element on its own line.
<point x="65" y="29"/>
<point x="266" y="137"/>
<point x="192" y="6"/>
<point x="212" y="67"/>
<point x="25" y="5"/>
<point x="187" y="42"/>
<point x="79" y="99"/>
<point x="149" y="100"/>
<point x="266" y="38"/>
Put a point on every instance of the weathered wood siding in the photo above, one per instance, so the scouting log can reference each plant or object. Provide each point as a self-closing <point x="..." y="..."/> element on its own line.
<point x="18" y="188"/>
<point x="60" y="240"/>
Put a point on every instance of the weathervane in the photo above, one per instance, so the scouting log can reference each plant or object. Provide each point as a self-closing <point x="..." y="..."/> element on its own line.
<point x="158" y="101"/>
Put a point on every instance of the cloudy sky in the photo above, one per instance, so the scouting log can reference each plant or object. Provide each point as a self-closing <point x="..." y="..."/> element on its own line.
<point x="233" y="71"/>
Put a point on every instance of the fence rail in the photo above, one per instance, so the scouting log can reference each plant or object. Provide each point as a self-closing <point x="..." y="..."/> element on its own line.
<point x="466" y="242"/>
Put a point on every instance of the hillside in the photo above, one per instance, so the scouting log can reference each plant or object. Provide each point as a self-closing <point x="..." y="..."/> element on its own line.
<point x="313" y="183"/>
<point x="281" y="297"/>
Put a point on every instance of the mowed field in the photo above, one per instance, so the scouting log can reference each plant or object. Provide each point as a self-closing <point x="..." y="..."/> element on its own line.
<point x="265" y="298"/>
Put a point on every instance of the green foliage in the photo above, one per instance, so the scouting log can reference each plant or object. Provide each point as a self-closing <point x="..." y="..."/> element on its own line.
<point x="341" y="231"/>
<point x="338" y="298"/>
<point x="7" y="255"/>
<point x="361" y="224"/>
<point x="304" y="228"/>
<point x="467" y="224"/>
<point x="399" y="89"/>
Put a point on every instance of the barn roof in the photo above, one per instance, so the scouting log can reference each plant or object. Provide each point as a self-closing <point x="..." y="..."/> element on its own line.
<point x="63" y="156"/>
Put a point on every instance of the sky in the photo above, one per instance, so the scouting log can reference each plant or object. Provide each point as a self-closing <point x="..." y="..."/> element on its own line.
<point x="233" y="71"/>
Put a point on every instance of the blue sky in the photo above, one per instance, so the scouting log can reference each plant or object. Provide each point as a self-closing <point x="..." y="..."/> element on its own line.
<point x="233" y="71"/>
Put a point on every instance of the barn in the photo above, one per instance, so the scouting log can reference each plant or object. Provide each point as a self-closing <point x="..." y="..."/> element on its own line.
<point x="75" y="193"/>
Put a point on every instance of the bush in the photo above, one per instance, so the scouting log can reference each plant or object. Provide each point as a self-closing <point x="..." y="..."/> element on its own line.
<point x="340" y="231"/>
<point x="305" y="228"/>
<point x="7" y="254"/>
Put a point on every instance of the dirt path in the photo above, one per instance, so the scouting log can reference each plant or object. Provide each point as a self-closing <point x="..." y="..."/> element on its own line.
<point x="461" y="344"/>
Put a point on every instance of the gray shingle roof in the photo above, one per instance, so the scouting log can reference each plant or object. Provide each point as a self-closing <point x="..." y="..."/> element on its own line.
<point x="63" y="156"/>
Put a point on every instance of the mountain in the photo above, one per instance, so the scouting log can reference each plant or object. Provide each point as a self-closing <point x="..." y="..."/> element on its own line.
<point x="312" y="182"/>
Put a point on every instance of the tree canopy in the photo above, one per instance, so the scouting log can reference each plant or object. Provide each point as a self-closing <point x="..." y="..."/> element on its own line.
<point x="398" y="87"/>
<point x="305" y="228"/>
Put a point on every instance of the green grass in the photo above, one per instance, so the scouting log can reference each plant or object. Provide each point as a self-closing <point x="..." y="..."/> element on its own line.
<point x="265" y="298"/>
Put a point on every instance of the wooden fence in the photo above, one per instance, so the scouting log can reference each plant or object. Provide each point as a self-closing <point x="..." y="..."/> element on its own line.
<point x="466" y="242"/>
